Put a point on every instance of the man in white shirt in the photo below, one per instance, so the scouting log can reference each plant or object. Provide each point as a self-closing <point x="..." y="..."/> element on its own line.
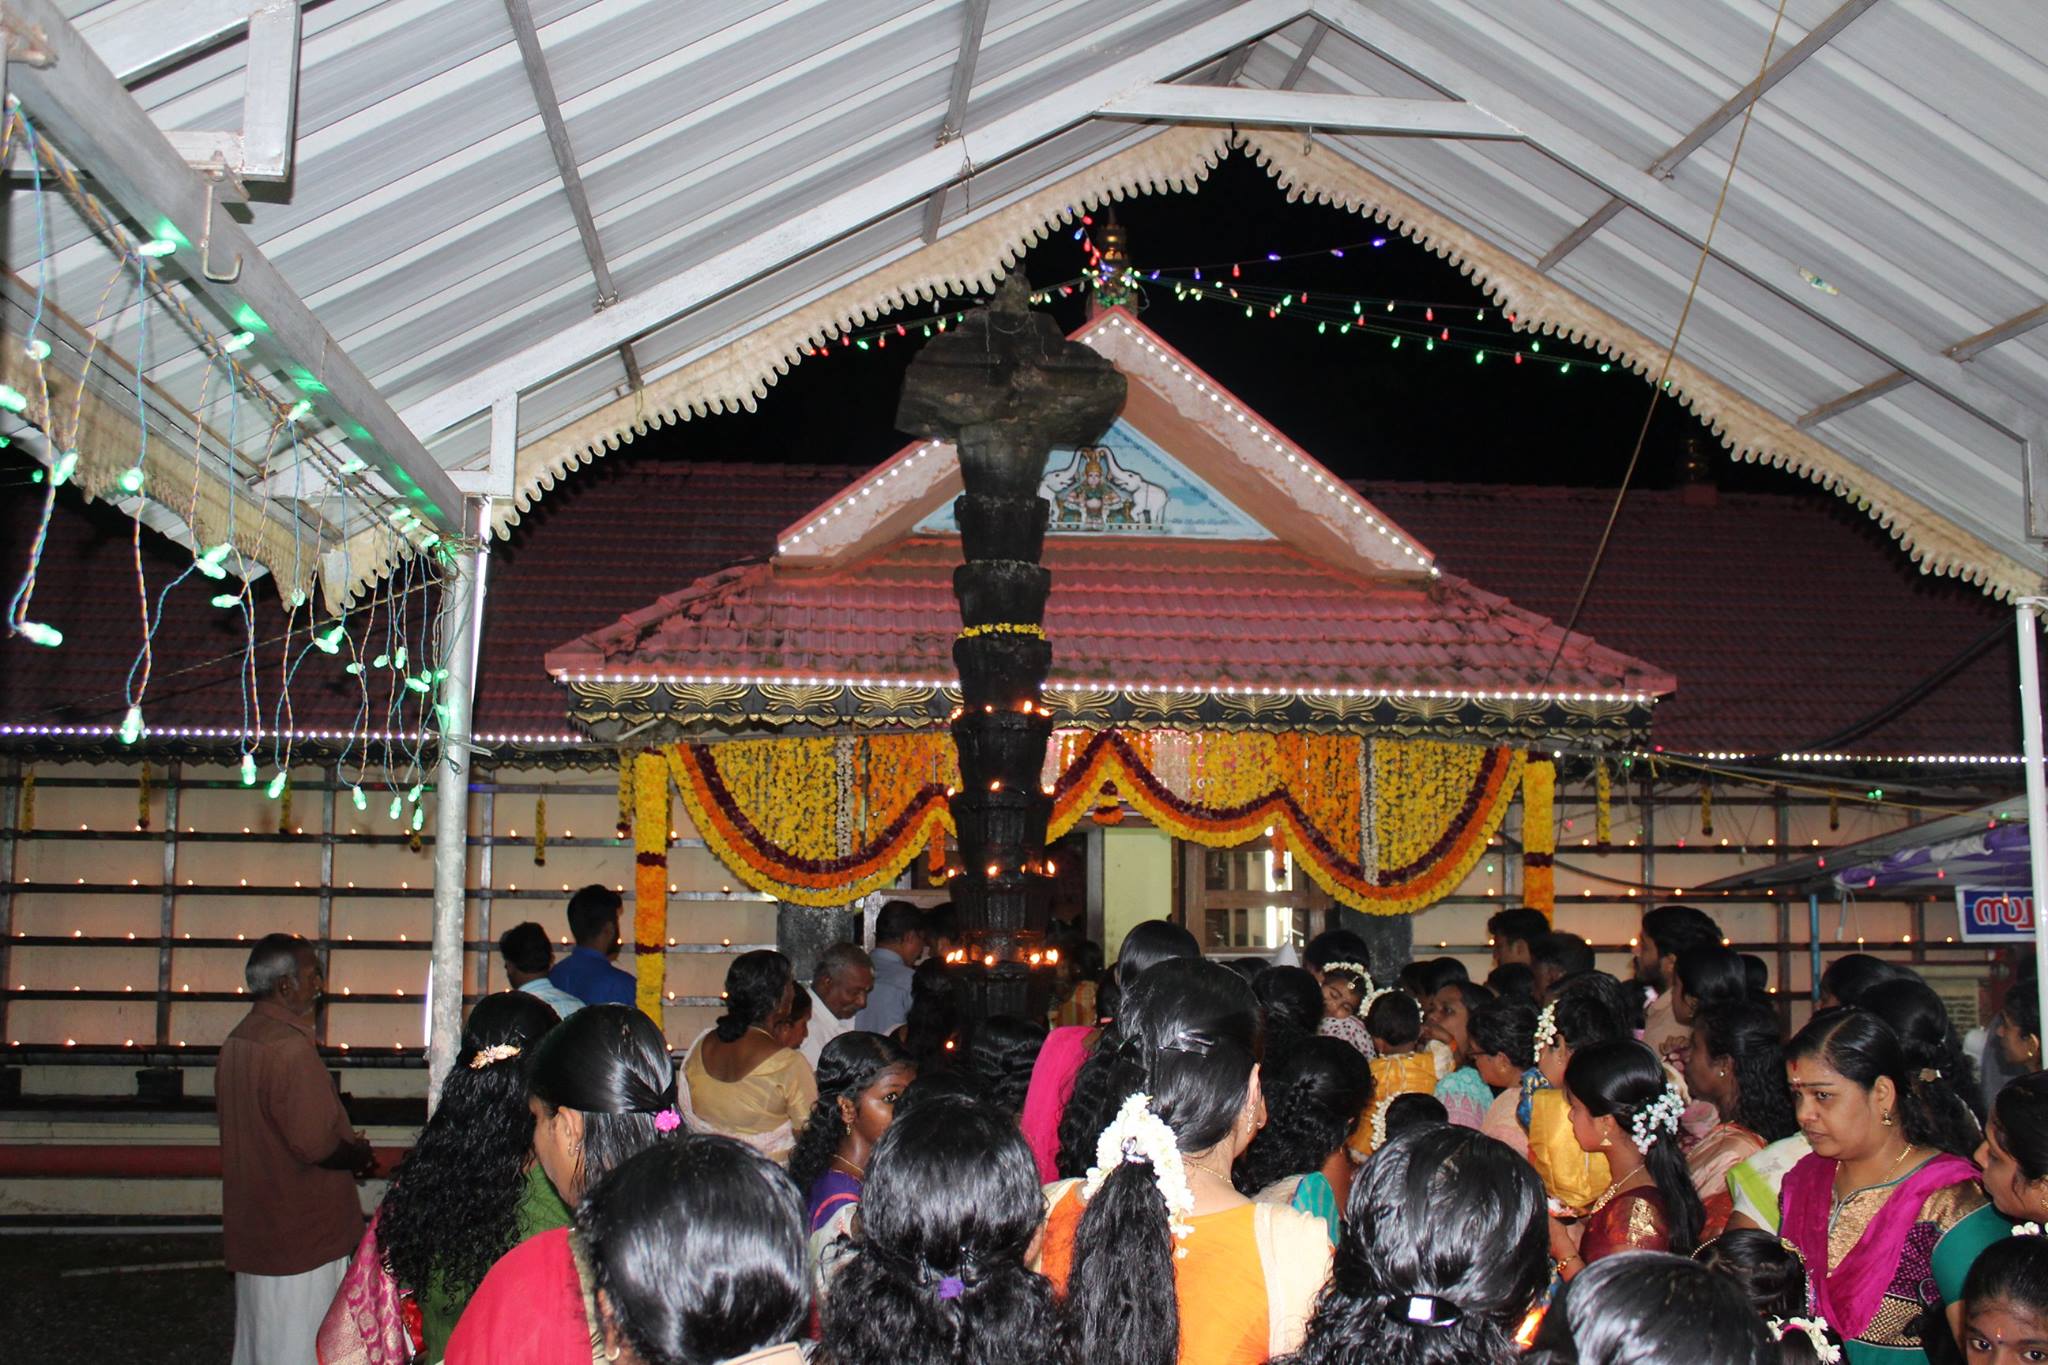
<point x="839" y="990"/>
<point x="528" y="956"/>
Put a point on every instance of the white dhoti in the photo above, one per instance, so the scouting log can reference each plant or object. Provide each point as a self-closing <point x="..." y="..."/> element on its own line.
<point x="277" y="1317"/>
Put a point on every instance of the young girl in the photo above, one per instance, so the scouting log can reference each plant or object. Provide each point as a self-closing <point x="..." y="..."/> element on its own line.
<point x="1346" y="989"/>
<point x="1648" y="1308"/>
<point x="2005" y="1302"/>
<point x="1443" y="1255"/>
<point x="2014" y="1157"/>
<point x="1588" y="1010"/>
<point x="1772" y="1277"/>
<point x="937" y="1275"/>
<point x="1625" y="1107"/>
<point x="861" y="1076"/>
<point x="1314" y="1091"/>
<point x="1400" y="1065"/>
<point x="1159" y="1257"/>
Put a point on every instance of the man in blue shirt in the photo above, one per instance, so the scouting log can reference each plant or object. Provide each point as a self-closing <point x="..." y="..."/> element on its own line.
<point x="587" y="972"/>
<point x="899" y="942"/>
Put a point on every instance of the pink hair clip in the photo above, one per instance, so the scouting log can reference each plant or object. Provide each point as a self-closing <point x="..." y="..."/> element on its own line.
<point x="667" y="1121"/>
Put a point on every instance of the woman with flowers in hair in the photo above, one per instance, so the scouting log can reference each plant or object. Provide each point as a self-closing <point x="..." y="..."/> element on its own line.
<point x="1624" y="1106"/>
<point x="739" y="1080"/>
<point x="469" y="1191"/>
<point x="1161" y="1261"/>
<point x="601" y="1089"/>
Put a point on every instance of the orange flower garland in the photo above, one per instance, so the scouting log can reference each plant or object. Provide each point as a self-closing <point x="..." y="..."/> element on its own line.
<point x="650" y="882"/>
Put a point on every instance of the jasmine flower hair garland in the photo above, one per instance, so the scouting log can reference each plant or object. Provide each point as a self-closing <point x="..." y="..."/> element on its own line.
<point x="1138" y="1134"/>
<point x="1655" y="1119"/>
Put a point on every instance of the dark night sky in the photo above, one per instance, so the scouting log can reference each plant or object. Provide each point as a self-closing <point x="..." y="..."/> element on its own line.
<point x="1364" y="409"/>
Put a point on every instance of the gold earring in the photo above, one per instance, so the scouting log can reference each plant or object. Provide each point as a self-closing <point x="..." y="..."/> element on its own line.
<point x="1887" y="1120"/>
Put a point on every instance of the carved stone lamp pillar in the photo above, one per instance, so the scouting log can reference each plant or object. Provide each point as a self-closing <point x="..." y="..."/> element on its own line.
<point x="1006" y="388"/>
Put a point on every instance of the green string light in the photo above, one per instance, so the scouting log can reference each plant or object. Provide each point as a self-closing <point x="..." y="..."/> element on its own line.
<point x="36" y="633"/>
<point x="248" y="770"/>
<point x="276" y="787"/>
<point x="131" y="725"/>
<point x="355" y="794"/>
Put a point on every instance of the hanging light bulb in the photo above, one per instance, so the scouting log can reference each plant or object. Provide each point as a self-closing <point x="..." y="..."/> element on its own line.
<point x="227" y="601"/>
<point x="64" y="468"/>
<point x="412" y="798"/>
<point x="398" y="659"/>
<point x="276" y="787"/>
<point x="397" y="807"/>
<point x="131" y="479"/>
<point x="37" y="349"/>
<point x="419" y="818"/>
<point x="36" y="633"/>
<point x="157" y="247"/>
<point x="131" y="725"/>
<point x="248" y="770"/>
<point x="355" y="794"/>
<point x="240" y="341"/>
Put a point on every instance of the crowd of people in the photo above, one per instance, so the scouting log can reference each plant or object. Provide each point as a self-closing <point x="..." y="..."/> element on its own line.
<point x="1218" y="1163"/>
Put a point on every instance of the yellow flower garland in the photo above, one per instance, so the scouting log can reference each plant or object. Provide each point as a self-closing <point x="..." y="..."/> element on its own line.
<point x="650" y="882"/>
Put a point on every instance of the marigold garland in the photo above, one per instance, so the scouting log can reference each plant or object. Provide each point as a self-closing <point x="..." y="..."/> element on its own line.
<point x="769" y="808"/>
<point x="650" y="882"/>
<point x="1539" y="834"/>
<point x="625" y="821"/>
<point x="1603" y="805"/>
<point x="540" y="830"/>
<point x="142" y="798"/>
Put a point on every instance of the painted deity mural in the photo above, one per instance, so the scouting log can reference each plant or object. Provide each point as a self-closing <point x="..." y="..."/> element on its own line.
<point x="1127" y="485"/>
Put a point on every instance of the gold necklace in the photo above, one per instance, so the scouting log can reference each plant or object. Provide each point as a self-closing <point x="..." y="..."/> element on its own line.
<point x="1614" y="1189"/>
<point x="1209" y="1171"/>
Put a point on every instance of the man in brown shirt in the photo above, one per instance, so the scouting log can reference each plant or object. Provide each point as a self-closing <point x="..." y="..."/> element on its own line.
<point x="289" y="1213"/>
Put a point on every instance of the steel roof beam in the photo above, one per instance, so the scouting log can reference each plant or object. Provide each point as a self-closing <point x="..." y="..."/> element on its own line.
<point x="1348" y="114"/>
<point x="956" y="105"/>
<point x="779" y="242"/>
<point x="542" y="83"/>
<point x="77" y="101"/>
<point x="1970" y="347"/>
<point x="145" y="38"/>
<point x="1307" y="54"/>
<point x="1818" y="37"/>
<point x="1733" y="247"/>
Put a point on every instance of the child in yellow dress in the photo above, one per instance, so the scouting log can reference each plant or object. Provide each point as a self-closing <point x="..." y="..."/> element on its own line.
<point x="1401" y="1066"/>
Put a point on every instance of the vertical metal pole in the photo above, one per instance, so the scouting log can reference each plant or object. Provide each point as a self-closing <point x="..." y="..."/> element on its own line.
<point x="167" y="913"/>
<point x="485" y="882"/>
<point x="325" y="923"/>
<point x="2037" y="782"/>
<point x="1784" y="908"/>
<point x="451" y="822"/>
<point x="1813" y="942"/>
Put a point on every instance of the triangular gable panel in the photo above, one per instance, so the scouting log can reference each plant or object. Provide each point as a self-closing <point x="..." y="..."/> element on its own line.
<point x="1126" y="484"/>
<point x="1247" y="472"/>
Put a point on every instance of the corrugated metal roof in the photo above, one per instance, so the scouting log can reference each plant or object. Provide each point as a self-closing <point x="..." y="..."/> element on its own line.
<point x="1901" y="163"/>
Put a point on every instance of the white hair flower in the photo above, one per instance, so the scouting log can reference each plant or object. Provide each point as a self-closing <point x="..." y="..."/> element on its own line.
<point x="492" y="1055"/>
<point x="2026" y="1230"/>
<point x="1656" y="1119"/>
<point x="1364" y="976"/>
<point x="1138" y="1134"/>
<point x="1546" y="1029"/>
<point x="1815" y="1329"/>
<point x="1379" y="1122"/>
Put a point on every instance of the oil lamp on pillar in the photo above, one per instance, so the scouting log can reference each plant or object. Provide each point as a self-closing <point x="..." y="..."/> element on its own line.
<point x="1006" y="388"/>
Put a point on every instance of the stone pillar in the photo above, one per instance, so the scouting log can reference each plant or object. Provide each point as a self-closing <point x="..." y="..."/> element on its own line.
<point x="1390" y="940"/>
<point x="1006" y="388"/>
<point x="803" y="933"/>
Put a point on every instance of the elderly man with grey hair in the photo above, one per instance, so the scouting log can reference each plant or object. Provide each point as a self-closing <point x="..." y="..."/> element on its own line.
<point x="289" y="1161"/>
<point x="839" y="990"/>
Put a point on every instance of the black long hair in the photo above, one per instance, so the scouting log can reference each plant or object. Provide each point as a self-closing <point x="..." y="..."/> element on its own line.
<point x="1861" y="1046"/>
<point x="1315" y="1091"/>
<point x="1934" y="1052"/>
<point x="937" y="1274"/>
<point x="1293" y="1004"/>
<point x="698" y="1245"/>
<point x="1848" y="977"/>
<point x="1713" y="975"/>
<point x="1505" y="1025"/>
<point x="1770" y="1274"/>
<point x="1591" y="1008"/>
<point x="453" y="1205"/>
<point x="1620" y="1080"/>
<point x="1445" y="1247"/>
<point x="1094" y="1099"/>
<point x="1189" y="1038"/>
<point x="610" y="1064"/>
<point x="1650" y="1308"/>
<point x="997" y="1059"/>
<point x="847" y="1066"/>
<point x="2021" y="1113"/>
<point x="754" y="984"/>
<point x="1746" y="1033"/>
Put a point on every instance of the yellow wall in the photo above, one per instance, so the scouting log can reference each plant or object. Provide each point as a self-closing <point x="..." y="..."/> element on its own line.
<point x="1137" y="881"/>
